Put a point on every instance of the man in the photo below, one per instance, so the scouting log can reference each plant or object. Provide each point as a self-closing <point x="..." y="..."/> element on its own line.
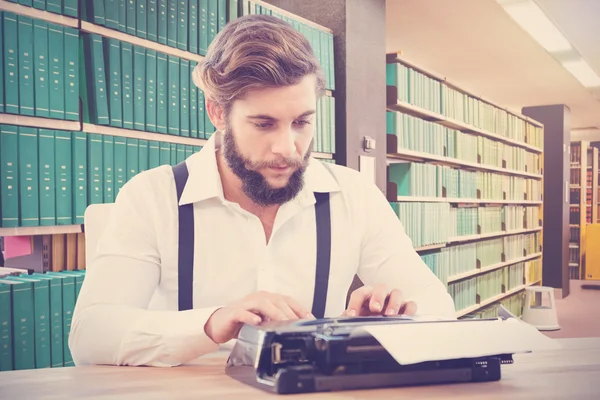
<point x="254" y="192"/>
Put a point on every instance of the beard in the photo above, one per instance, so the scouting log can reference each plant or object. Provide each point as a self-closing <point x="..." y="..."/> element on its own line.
<point x="254" y="184"/>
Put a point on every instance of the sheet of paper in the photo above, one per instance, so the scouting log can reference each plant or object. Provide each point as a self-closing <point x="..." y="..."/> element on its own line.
<point x="16" y="246"/>
<point x="431" y="341"/>
<point x="367" y="166"/>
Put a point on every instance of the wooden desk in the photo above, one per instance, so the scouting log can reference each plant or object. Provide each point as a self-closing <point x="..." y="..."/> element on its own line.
<point x="571" y="373"/>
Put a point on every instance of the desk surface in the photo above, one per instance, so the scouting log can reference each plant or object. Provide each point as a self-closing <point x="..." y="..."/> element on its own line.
<point x="570" y="373"/>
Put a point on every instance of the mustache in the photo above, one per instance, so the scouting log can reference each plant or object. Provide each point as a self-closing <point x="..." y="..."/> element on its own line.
<point x="290" y="162"/>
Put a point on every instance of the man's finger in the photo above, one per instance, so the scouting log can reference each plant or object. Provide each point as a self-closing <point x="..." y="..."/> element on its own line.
<point x="378" y="298"/>
<point x="357" y="299"/>
<point x="300" y="311"/>
<point x="246" y="317"/>
<point x="394" y="303"/>
<point x="267" y="309"/>
<point x="408" y="308"/>
<point x="284" y="306"/>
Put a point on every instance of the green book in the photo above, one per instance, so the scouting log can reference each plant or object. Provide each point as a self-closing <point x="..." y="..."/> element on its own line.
<point x="152" y="24"/>
<point x="150" y="90"/>
<point x="165" y="153"/>
<point x="201" y="115"/>
<point x="123" y="15"/>
<point x="40" y="56"/>
<point x="87" y="103"/>
<point x="108" y="154"/>
<point x="184" y="121"/>
<point x="153" y="154"/>
<point x="193" y="26"/>
<point x="172" y="22"/>
<point x="71" y="74"/>
<point x="221" y="14"/>
<point x="193" y="108"/>
<point x="162" y="21"/>
<point x="6" y="328"/>
<point x="130" y="24"/>
<point x="1" y="63"/>
<point x="47" y="178"/>
<point x="64" y="177"/>
<point x="133" y="159"/>
<point x="182" y="24"/>
<point x="39" y="4"/>
<point x="174" y="95"/>
<point x="29" y="176"/>
<point x="173" y="158"/>
<point x="98" y="84"/>
<point x="112" y="14"/>
<point x="11" y="63"/>
<point x="56" y="49"/>
<point x="213" y="20"/>
<point x="162" y="93"/>
<point x="181" y="156"/>
<point x="189" y="151"/>
<point x="95" y="169"/>
<point x="127" y="83"/>
<point x="23" y="318"/>
<point x="203" y="27"/>
<point x="143" y="155"/>
<point x="139" y="87"/>
<point x="98" y="12"/>
<point x="112" y="53"/>
<point x="79" y="276"/>
<point x="120" y="163"/>
<point x="54" y="6"/>
<point x="232" y="10"/>
<point x="80" y="175"/>
<point x="141" y="21"/>
<point x="71" y="8"/>
<point x="26" y="68"/>
<point x="9" y="176"/>
<point x="68" y="302"/>
<point x="56" y="320"/>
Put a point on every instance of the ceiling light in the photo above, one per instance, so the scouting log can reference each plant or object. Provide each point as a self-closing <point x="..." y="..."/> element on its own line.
<point x="533" y="20"/>
<point x="583" y="72"/>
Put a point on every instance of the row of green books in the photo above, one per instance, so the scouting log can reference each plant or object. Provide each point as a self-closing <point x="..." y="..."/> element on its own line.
<point x="416" y="134"/>
<point x="49" y="177"/>
<point x="69" y="8"/>
<point x="430" y="180"/>
<point x="39" y="68"/>
<point x="418" y="89"/>
<point x="513" y="304"/>
<point x="35" y="319"/>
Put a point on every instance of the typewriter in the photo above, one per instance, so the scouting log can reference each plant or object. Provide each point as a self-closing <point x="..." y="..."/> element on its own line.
<point x="331" y="354"/>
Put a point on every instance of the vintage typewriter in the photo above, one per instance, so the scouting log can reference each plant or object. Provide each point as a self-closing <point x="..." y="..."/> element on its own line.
<point x="331" y="354"/>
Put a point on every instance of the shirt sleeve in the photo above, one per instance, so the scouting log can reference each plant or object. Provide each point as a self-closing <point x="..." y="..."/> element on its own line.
<point x="111" y="321"/>
<point x="388" y="256"/>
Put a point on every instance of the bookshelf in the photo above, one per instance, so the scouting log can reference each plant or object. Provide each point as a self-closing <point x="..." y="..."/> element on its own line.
<point x="465" y="177"/>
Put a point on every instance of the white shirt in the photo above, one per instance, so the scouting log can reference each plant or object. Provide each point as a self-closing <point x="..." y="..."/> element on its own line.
<point x="127" y="311"/>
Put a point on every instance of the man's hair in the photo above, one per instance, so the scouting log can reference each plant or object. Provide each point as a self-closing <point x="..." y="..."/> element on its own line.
<point x="253" y="52"/>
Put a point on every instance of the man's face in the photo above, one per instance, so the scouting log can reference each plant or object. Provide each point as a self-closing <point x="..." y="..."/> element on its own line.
<point x="268" y="138"/>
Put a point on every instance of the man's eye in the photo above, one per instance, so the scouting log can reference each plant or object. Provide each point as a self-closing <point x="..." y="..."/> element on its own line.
<point x="264" y="125"/>
<point x="302" y="122"/>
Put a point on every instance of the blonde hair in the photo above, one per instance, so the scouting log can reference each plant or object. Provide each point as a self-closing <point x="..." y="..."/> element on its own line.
<point x="252" y="52"/>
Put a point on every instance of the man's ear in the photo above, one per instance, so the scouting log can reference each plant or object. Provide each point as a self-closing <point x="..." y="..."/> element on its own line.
<point x="216" y="114"/>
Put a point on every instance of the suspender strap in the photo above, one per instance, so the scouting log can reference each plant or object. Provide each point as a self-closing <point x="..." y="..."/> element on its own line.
<point x="186" y="241"/>
<point x="323" y="218"/>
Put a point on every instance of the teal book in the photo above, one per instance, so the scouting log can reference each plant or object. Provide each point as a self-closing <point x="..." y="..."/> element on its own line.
<point x="108" y="155"/>
<point x="165" y="153"/>
<point x="54" y="6"/>
<point x="112" y="14"/>
<point x="40" y="65"/>
<point x="87" y="103"/>
<point x="71" y="8"/>
<point x="64" y="177"/>
<point x="47" y="178"/>
<point x="120" y="163"/>
<point x="139" y="88"/>
<point x="161" y="93"/>
<point x="95" y="169"/>
<point x="143" y="155"/>
<point x="26" y="69"/>
<point x="162" y="21"/>
<point x="98" y="84"/>
<point x="98" y="12"/>
<point x="55" y="319"/>
<point x="23" y="319"/>
<point x="153" y="154"/>
<point x="189" y="151"/>
<point x="9" y="176"/>
<point x="182" y="24"/>
<point x="11" y="63"/>
<point x="150" y="90"/>
<point x="29" y="177"/>
<point x="6" y="328"/>
<point x="130" y="24"/>
<point x="127" y="83"/>
<point x="193" y="25"/>
<point x="71" y="74"/>
<point x="173" y="158"/>
<point x="180" y="153"/>
<point x="172" y="25"/>
<point x="152" y="24"/>
<point x="213" y="20"/>
<point x="80" y="175"/>
<point x="201" y="115"/>
<point x="56" y="47"/>
<point x="331" y="56"/>
<point x="184" y="121"/>
<point x="68" y="303"/>
<point x="133" y="158"/>
<point x="221" y="15"/>
<point x="123" y="15"/>
<point x="79" y="276"/>
<point x="174" y="95"/>
<point x="39" y="4"/>
<point x="193" y="108"/>
<point x="112" y="52"/>
<point x="2" y="63"/>
<point x="141" y="19"/>
<point x="203" y="27"/>
<point x="233" y="10"/>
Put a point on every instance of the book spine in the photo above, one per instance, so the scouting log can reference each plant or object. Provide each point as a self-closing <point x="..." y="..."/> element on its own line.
<point x="139" y="76"/>
<point x="184" y="120"/>
<point x="71" y="74"/>
<point x="141" y="19"/>
<point x="152" y="20"/>
<point x="95" y="169"/>
<point x="108" y="154"/>
<point x="203" y="26"/>
<point x="122" y="15"/>
<point x="2" y="62"/>
<point x="40" y="54"/>
<point x="26" y="69"/>
<point x="99" y="79"/>
<point x="130" y="24"/>
<point x="47" y="178"/>
<point x="143" y="155"/>
<point x="71" y="8"/>
<point x="64" y="177"/>
<point x="57" y="71"/>
<point x="127" y="83"/>
<point x="182" y="25"/>
<point x="172" y="23"/>
<point x="112" y="14"/>
<point x="151" y="95"/>
<point x="162" y="21"/>
<point x="162" y="100"/>
<point x="153" y="154"/>
<point x="165" y="153"/>
<point x="80" y="175"/>
<point x="120" y="163"/>
<point x="11" y="64"/>
<point x="6" y="331"/>
<point x="133" y="159"/>
<point x="174" y="95"/>
<point x="29" y="176"/>
<point x="112" y="53"/>
<point x="193" y="108"/>
<point x="9" y="170"/>
<point x="193" y="26"/>
<point x="213" y="19"/>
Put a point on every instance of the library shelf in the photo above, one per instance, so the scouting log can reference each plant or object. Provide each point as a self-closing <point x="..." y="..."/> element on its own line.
<point x="393" y="104"/>
<point x="41" y="230"/>
<point x="493" y="267"/>
<point x="473" y="238"/>
<point x="452" y="200"/>
<point x="39" y="122"/>
<point x="402" y="155"/>
<point x="39" y="14"/>
<point x="135" y="134"/>
<point x="492" y="300"/>
<point x="431" y="247"/>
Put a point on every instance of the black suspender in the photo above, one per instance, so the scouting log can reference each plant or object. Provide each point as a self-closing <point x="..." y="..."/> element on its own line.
<point x="186" y="247"/>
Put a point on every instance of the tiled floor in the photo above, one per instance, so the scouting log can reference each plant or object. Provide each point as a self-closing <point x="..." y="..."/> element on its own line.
<point x="578" y="313"/>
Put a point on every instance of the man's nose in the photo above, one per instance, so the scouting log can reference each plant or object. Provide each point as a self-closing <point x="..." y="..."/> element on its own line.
<point x="284" y="143"/>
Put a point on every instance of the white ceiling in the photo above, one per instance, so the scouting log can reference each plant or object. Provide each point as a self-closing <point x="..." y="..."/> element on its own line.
<point x="477" y="46"/>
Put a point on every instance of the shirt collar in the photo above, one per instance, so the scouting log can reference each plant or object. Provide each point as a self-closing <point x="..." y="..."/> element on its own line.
<point x="204" y="181"/>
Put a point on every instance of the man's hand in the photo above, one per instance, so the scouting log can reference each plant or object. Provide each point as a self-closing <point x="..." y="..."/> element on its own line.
<point x="225" y="323"/>
<point x="379" y="300"/>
